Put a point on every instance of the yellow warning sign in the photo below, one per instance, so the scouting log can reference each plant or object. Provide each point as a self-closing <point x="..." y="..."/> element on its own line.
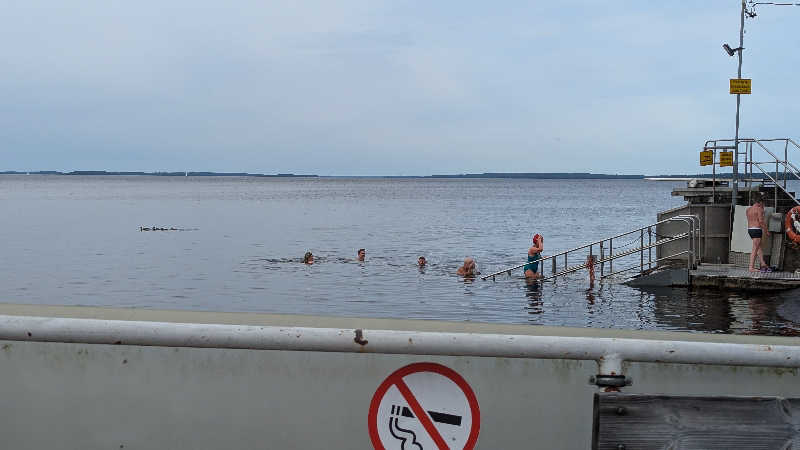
<point x="740" y="85"/>
<point x="706" y="158"/>
<point x="726" y="159"/>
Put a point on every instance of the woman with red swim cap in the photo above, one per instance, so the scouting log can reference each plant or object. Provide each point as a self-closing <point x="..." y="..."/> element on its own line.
<point x="534" y="255"/>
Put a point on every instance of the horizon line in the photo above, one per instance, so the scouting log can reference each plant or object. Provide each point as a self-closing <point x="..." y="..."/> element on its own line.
<point x="507" y="175"/>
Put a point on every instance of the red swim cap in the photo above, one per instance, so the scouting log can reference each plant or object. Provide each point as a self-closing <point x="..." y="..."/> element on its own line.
<point x="537" y="236"/>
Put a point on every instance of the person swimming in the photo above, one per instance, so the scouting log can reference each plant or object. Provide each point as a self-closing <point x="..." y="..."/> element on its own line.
<point x="308" y="258"/>
<point x="531" y="269"/>
<point x="468" y="269"/>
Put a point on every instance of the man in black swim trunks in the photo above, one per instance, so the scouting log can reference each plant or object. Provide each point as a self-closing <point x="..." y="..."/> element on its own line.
<point x="757" y="228"/>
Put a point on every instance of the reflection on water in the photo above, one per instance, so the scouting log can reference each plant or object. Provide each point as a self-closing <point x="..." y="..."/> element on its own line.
<point x="76" y="240"/>
<point x="534" y="294"/>
<point x="590" y="295"/>
<point x="728" y="311"/>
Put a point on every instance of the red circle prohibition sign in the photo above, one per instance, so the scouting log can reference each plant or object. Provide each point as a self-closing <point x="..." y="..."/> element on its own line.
<point x="396" y="379"/>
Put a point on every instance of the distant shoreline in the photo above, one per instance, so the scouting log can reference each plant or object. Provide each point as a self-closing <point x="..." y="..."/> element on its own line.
<point x="497" y="175"/>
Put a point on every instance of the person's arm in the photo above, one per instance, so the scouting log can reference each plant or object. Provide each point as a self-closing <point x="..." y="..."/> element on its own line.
<point x="535" y="249"/>
<point x="763" y="221"/>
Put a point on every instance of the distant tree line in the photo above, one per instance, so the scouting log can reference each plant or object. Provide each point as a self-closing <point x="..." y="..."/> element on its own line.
<point x="523" y="175"/>
<point x="157" y="174"/>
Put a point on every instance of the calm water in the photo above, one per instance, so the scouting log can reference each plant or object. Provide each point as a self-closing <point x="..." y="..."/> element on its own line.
<point x="76" y="241"/>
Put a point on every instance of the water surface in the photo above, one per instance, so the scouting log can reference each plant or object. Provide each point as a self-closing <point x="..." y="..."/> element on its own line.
<point x="74" y="240"/>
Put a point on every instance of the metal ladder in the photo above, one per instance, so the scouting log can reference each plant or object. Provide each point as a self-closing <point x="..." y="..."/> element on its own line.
<point x="585" y="255"/>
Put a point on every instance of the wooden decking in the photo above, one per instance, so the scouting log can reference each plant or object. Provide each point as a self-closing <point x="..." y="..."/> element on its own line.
<point x="734" y="277"/>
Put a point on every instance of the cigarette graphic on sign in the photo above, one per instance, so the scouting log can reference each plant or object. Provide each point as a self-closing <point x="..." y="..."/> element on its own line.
<point x="404" y="435"/>
<point x="440" y="417"/>
<point x="424" y="406"/>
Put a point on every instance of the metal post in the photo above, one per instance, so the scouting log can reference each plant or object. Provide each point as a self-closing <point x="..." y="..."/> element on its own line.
<point x="611" y="256"/>
<point x="690" y="255"/>
<point x="554" y="265"/>
<point x="692" y="246"/>
<point x="714" y="174"/>
<point x="649" y="248"/>
<point x="602" y="256"/>
<point x="776" y="187"/>
<point x="785" y="162"/>
<point x="748" y="170"/>
<point x="735" y="188"/>
<point x="641" y="251"/>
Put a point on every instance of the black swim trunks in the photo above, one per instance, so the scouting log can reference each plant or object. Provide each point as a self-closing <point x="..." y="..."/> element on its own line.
<point x="755" y="233"/>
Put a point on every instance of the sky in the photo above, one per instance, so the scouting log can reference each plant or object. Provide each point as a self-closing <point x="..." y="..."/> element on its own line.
<point x="373" y="87"/>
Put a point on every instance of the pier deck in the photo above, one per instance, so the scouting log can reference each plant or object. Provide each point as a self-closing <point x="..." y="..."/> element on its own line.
<point x="730" y="276"/>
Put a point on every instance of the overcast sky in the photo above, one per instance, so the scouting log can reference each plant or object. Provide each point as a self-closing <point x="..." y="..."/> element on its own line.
<point x="386" y="87"/>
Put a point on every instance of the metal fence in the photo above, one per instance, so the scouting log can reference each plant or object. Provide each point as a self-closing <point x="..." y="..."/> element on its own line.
<point x="630" y="250"/>
<point x="784" y="168"/>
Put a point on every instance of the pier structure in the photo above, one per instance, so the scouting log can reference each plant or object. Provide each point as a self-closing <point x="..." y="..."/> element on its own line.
<point x="720" y="207"/>
<point x="703" y="243"/>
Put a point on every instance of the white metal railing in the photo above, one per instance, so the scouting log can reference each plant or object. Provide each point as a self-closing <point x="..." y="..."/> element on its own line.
<point x="644" y="251"/>
<point x="782" y="164"/>
<point x="609" y="353"/>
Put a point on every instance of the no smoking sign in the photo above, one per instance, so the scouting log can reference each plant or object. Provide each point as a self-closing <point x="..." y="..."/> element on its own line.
<point x="424" y="406"/>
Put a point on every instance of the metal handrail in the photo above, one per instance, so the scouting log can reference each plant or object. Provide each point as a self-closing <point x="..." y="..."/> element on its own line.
<point x="672" y="256"/>
<point x="749" y="162"/>
<point x="610" y="353"/>
<point x="777" y="184"/>
<point x="571" y="269"/>
<point x="692" y="235"/>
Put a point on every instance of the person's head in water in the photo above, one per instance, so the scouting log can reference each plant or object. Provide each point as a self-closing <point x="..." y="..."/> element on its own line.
<point x="468" y="269"/>
<point x="308" y="258"/>
<point x="361" y="254"/>
<point x="421" y="261"/>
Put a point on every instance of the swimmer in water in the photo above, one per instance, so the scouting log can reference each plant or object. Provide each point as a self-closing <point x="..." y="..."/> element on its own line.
<point x="591" y="260"/>
<point x="468" y="269"/>
<point x="308" y="258"/>
<point x="361" y="254"/>
<point x="421" y="261"/>
<point x="534" y="255"/>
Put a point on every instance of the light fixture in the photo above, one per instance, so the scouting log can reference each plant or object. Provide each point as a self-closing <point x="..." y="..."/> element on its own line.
<point x="728" y="49"/>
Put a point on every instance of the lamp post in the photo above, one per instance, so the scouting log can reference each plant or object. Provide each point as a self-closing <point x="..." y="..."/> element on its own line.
<point x="731" y="51"/>
<point x="751" y="13"/>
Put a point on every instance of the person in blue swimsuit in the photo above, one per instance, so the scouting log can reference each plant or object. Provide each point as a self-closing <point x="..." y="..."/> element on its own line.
<point x="531" y="269"/>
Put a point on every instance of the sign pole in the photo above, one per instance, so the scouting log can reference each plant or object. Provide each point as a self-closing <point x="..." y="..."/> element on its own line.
<point x="735" y="189"/>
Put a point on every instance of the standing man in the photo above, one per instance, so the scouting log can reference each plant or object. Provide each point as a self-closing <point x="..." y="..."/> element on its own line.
<point x="756" y="228"/>
<point x="361" y="254"/>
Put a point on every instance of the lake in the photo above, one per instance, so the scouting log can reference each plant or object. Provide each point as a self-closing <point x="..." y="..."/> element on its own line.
<point x="76" y="240"/>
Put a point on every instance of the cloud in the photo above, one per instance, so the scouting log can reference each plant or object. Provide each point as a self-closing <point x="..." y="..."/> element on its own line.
<point x="372" y="87"/>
